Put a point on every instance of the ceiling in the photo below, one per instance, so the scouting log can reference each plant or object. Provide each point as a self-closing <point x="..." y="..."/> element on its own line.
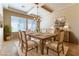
<point x="26" y="7"/>
<point x="58" y="6"/>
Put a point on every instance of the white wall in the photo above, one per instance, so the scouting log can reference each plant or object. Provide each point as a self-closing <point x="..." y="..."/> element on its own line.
<point x="1" y="29"/>
<point x="47" y="18"/>
<point x="1" y="13"/>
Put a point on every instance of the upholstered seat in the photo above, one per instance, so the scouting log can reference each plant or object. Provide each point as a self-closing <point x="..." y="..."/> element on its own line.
<point x="31" y="44"/>
<point x="36" y="40"/>
<point x="53" y="45"/>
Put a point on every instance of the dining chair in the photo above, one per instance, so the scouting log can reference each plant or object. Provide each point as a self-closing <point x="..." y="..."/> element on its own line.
<point x="30" y="38"/>
<point x="53" y="32"/>
<point x="57" y="46"/>
<point x="28" y="45"/>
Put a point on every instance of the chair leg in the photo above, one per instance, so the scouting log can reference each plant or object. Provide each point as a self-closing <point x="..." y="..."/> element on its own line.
<point x="63" y="49"/>
<point x="22" y="48"/>
<point x="36" y="48"/>
<point x="58" y="54"/>
<point x="19" y="44"/>
<point x="26" y="53"/>
<point x="47" y="50"/>
<point x="54" y="38"/>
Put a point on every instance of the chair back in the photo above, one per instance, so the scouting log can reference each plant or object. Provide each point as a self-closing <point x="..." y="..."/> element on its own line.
<point x="24" y="40"/>
<point x="23" y="36"/>
<point x="61" y="36"/>
<point x="20" y="37"/>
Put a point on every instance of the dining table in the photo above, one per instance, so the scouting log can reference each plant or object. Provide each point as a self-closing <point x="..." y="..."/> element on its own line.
<point x="42" y="37"/>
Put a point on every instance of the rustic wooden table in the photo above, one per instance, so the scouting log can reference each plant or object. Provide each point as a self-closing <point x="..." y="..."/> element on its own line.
<point x="42" y="37"/>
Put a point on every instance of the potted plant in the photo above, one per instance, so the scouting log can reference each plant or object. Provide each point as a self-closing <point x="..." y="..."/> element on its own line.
<point x="7" y="32"/>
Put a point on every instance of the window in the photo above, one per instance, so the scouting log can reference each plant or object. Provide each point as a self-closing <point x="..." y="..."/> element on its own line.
<point x="31" y="24"/>
<point x="18" y="23"/>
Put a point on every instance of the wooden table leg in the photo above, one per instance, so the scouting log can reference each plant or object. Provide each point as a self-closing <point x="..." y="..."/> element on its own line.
<point x="54" y="38"/>
<point x="42" y="46"/>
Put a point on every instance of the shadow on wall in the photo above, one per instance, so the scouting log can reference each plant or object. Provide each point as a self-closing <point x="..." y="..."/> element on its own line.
<point x="73" y="38"/>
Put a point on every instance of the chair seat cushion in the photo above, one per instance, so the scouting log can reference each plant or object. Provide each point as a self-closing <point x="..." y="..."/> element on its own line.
<point x="53" y="45"/>
<point x="36" y="40"/>
<point x="31" y="44"/>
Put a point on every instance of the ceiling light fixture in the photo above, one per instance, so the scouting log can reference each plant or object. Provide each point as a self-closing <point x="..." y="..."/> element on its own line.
<point x="37" y="9"/>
